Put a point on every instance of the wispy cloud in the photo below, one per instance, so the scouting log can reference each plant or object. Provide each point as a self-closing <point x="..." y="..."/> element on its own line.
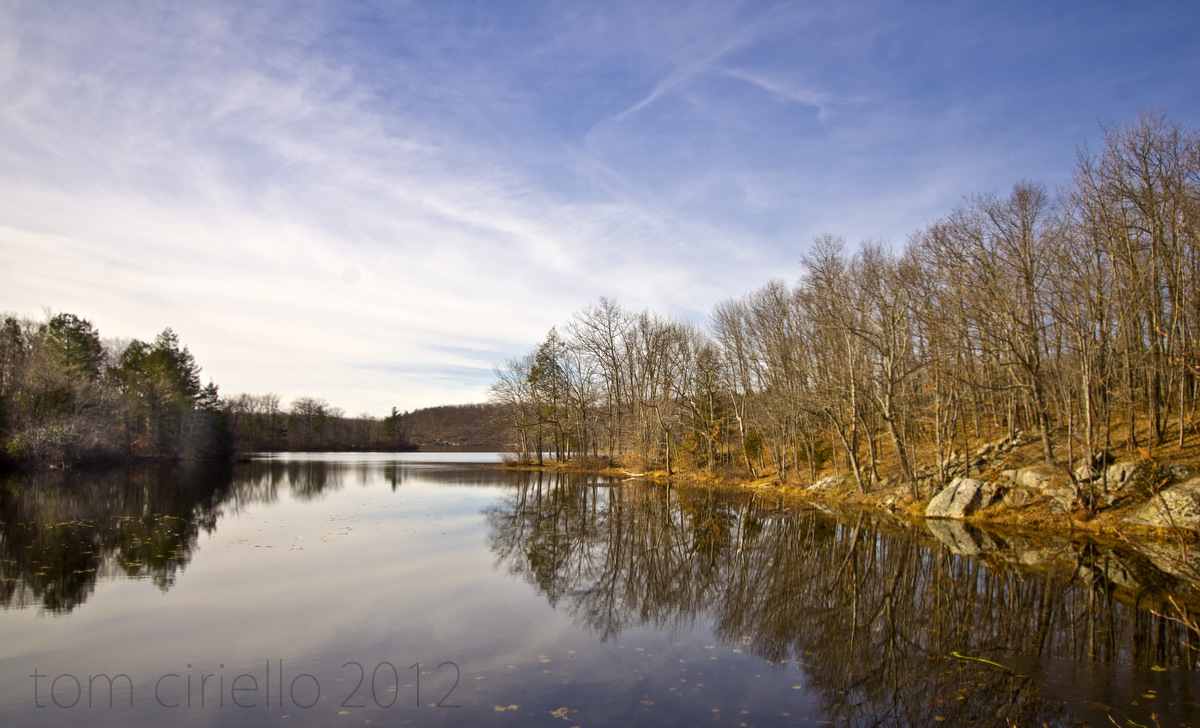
<point x="815" y="98"/>
<point x="300" y="188"/>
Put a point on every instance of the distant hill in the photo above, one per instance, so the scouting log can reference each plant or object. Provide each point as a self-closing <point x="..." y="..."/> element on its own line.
<point x="466" y="427"/>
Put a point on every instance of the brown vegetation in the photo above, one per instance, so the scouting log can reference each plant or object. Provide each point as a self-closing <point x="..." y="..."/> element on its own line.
<point x="1073" y="316"/>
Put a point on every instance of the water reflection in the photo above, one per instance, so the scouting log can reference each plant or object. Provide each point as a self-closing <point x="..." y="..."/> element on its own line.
<point x="63" y="532"/>
<point x="888" y="626"/>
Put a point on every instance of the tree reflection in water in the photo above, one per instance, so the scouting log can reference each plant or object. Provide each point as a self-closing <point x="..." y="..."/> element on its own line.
<point x="886" y="624"/>
<point x="62" y="533"/>
<point x="889" y="625"/>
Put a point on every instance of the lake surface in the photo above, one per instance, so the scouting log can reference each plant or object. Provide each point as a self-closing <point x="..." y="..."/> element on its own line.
<point x="352" y="590"/>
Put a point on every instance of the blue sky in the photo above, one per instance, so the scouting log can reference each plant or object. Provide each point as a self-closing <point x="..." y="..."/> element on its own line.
<point x="376" y="202"/>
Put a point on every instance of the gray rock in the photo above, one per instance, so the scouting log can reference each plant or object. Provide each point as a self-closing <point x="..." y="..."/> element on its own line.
<point x="1175" y="507"/>
<point x="1180" y="473"/>
<point x="827" y="482"/>
<point x="991" y="494"/>
<point x="1061" y="496"/>
<point x="1018" y="497"/>
<point x="1123" y="474"/>
<point x="960" y="499"/>
<point x="1040" y="477"/>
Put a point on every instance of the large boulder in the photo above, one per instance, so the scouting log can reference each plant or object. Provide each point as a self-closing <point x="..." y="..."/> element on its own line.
<point x="963" y="497"/>
<point x="1124" y="474"/>
<point x="1175" y="507"/>
<point x="1040" y="477"/>
<point x="1018" y="497"/>
<point x="1020" y="487"/>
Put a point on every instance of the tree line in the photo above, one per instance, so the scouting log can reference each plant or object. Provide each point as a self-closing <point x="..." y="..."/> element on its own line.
<point x="1073" y="314"/>
<point x="67" y="396"/>
<point x="261" y="423"/>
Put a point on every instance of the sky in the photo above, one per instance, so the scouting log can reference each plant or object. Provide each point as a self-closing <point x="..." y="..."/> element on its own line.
<point x="378" y="202"/>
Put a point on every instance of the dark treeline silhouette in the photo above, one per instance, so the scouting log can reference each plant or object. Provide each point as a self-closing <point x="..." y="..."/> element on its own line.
<point x="884" y="623"/>
<point x="1075" y="315"/>
<point x="260" y="423"/>
<point x="309" y="424"/>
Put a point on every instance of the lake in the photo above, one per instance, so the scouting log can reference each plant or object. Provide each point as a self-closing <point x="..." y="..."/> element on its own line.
<point x="418" y="589"/>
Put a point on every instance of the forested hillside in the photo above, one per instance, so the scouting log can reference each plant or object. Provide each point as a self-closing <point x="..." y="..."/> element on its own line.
<point x="1073" y="314"/>
<point x="469" y="427"/>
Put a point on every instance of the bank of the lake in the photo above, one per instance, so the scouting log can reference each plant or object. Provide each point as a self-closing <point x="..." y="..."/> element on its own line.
<point x="1138" y="499"/>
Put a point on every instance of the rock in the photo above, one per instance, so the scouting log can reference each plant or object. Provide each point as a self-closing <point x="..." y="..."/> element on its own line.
<point x="1062" y="496"/>
<point x="992" y="494"/>
<point x="1040" y="477"/>
<point x="960" y="499"/>
<point x="827" y="482"/>
<point x="1018" y="497"/>
<point x="1090" y="468"/>
<point x="1175" y="507"/>
<point x="1180" y="473"/>
<point x="1123" y="474"/>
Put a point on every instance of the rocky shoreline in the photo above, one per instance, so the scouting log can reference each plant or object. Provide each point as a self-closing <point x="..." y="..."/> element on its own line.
<point x="1017" y="517"/>
<point x="1138" y="499"/>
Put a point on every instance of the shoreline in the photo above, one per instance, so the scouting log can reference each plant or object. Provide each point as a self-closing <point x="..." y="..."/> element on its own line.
<point x="1030" y="520"/>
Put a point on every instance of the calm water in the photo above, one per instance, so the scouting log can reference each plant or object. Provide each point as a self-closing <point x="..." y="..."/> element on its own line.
<point x="309" y="589"/>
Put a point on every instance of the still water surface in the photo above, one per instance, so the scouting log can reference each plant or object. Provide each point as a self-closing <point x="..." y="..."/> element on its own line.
<point x="352" y="590"/>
